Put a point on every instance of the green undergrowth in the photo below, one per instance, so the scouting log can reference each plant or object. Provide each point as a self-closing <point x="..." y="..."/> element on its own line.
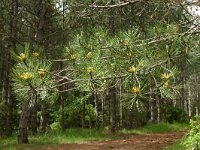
<point x="79" y="135"/>
<point x="53" y="138"/>
<point x="72" y="135"/>
<point x="158" y="128"/>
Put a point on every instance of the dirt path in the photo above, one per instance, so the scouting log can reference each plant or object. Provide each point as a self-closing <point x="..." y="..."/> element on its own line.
<point x="156" y="141"/>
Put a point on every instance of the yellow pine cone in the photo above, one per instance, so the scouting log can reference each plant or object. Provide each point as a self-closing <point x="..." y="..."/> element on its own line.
<point x="41" y="72"/>
<point x="73" y="56"/>
<point x="113" y="66"/>
<point x="125" y="43"/>
<point x="35" y="54"/>
<point x="141" y="64"/>
<point x="165" y="76"/>
<point x="26" y="76"/>
<point x="129" y="54"/>
<point x="22" y="56"/>
<point x="132" y="69"/>
<point x="89" y="55"/>
<point x="90" y="69"/>
<point x="135" y="90"/>
<point x="166" y="84"/>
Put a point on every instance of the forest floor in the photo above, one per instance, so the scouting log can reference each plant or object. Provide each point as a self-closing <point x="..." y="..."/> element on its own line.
<point x="150" y="137"/>
<point x="154" y="141"/>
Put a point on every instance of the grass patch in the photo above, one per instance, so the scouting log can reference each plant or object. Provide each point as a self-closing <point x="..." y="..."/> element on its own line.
<point x="158" y="128"/>
<point x="79" y="135"/>
<point x="72" y="135"/>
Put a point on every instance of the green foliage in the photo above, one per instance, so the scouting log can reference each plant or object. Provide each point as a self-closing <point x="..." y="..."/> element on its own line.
<point x="192" y="140"/>
<point x="122" y="57"/>
<point x="30" y="75"/>
<point x="73" y="113"/>
<point x="90" y="113"/>
<point x="173" y="114"/>
<point x="55" y="126"/>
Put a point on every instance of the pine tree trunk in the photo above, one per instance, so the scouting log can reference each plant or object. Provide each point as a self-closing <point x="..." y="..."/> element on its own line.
<point x="62" y="112"/>
<point x="43" y="117"/>
<point x="158" y="108"/>
<point x="83" y="113"/>
<point x="96" y="108"/>
<point x="152" y="111"/>
<point x="11" y="46"/>
<point x="189" y="102"/>
<point x="197" y="96"/>
<point x="184" y="96"/>
<point x="102" y="109"/>
<point x="130" y="118"/>
<point x="175" y="99"/>
<point x="90" y="122"/>
<point x="7" y="93"/>
<point x="27" y="108"/>
<point x="151" y="106"/>
<point x="120" y="106"/>
<point x="23" y="123"/>
<point x="33" y="120"/>
<point x="112" y="107"/>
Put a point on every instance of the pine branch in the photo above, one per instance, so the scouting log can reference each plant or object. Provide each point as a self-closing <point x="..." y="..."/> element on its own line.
<point x="115" y="5"/>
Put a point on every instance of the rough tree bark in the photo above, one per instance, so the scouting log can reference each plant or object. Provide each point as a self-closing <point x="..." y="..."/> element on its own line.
<point x="120" y="105"/>
<point x="24" y="119"/>
<point x="112" y="107"/>
<point x="96" y="107"/>
<point x="23" y="124"/>
<point x="33" y="120"/>
<point x="83" y="113"/>
<point x="151" y="103"/>
<point x="158" y="108"/>
<point x="197" y="95"/>
<point x="189" y="101"/>
<point x="102" y="109"/>
<point x="11" y="45"/>
<point x="43" y="117"/>
<point x="7" y="93"/>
